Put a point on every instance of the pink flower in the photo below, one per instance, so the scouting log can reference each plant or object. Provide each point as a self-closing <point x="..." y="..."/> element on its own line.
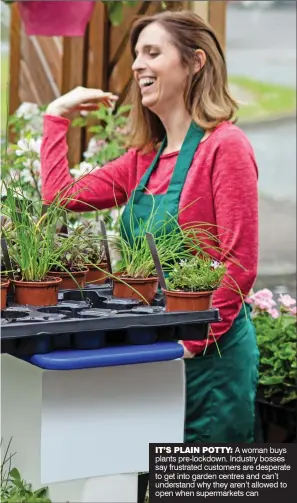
<point x="263" y="294"/>
<point x="293" y="311"/>
<point x="264" y="304"/>
<point x="286" y="301"/>
<point x="262" y="300"/>
<point x="273" y="313"/>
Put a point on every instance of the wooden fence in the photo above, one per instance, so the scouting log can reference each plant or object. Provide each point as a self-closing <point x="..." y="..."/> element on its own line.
<point x="43" y="68"/>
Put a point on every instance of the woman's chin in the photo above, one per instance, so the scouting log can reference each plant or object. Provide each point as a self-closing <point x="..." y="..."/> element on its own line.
<point x="149" y="102"/>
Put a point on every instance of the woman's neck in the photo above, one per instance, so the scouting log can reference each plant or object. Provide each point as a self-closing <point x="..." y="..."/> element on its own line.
<point x="176" y="123"/>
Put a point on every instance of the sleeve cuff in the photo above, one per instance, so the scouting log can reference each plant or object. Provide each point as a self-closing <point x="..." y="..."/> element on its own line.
<point x="195" y="346"/>
<point x="57" y="119"/>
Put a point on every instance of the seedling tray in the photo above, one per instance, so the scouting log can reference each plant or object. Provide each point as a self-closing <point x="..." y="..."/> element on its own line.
<point x="93" y="310"/>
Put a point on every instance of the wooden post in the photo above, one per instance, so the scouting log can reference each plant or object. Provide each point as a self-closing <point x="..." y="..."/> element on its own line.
<point x="214" y="12"/>
<point x="97" y="51"/>
<point x="201" y="8"/>
<point x="14" y="59"/>
<point x="217" y="19"/>
<point x="73" y="76"/>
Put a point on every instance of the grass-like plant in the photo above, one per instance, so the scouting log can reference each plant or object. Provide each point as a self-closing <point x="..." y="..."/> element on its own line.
<point x="30" y="234"/>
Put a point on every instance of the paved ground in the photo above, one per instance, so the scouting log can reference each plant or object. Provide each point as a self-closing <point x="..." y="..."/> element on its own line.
<point x="261" y="43"/>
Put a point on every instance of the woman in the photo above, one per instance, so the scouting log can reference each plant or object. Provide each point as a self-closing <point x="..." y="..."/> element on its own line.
<point x="205" y="165"/>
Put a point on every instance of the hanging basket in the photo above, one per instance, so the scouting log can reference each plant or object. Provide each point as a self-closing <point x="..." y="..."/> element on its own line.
<point x="57" y="18"/>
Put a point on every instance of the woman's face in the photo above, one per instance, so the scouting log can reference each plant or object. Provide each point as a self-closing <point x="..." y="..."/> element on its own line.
<point x="158" y="69"/>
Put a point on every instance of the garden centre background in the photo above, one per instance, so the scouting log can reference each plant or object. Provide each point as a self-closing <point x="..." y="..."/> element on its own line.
<point x="261" y="57"/>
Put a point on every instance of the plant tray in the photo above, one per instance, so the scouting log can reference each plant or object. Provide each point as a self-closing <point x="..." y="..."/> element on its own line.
<point x="91" y="318"/>
<point x="283" y="416"/>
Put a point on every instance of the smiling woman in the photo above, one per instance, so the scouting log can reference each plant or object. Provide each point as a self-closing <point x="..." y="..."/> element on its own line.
<point x="172" y="71"/>
<point x="186" y="158"/>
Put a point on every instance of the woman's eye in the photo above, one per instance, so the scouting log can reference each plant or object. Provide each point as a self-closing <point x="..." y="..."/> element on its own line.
<point x="154" y="54"/>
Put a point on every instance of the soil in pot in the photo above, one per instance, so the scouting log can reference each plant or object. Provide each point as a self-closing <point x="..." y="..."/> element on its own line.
<point x="68" y="282"/>
<point x="145" y="288"/>
<point x="96" y="277"/>
<point x="177" y="300"/>
<point x="37" y="293"/>
<point x="4" y="287"/>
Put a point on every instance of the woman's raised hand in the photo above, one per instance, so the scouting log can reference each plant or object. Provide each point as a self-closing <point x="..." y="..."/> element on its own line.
<point x="80" y="99"/>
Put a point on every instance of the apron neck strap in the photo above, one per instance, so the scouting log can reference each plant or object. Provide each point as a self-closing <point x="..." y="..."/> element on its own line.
<point x="190" y="144"/>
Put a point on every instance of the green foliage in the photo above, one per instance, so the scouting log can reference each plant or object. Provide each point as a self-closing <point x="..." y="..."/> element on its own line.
<point x="90" y="244"/>
<point x="108" y="129"/>
<point x="14" y="489"/>
<point x="172" y="244"/>
<point x="31" y="236"/>
<point x="278" y="366"/>
<point x="68" y="250"/>
<point x="108" y="142"/>
<point x="20" y="161"/>
<point x="116" y="10"/>
<point x="196" y="274"/>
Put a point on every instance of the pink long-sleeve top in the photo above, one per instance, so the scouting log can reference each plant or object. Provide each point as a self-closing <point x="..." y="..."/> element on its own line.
<point x="222" y="181"/>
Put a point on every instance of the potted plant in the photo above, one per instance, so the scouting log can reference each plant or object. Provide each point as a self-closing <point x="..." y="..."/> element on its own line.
<point x="56" y="19"/>
<point x="64" y="18"/>
<point x="30" y="235"/>
<point x="275" y="324"/>
<point x="192" y="282"/>
<point x="71" y="267"/>
<point x="5" y="283"/>
<point x="136" y="275"/>
<point x="93" y="253"/>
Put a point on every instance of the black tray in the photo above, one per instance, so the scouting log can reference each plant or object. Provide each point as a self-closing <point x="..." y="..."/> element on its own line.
<point x="95" y="310"/>
<point x="283" y="416"/>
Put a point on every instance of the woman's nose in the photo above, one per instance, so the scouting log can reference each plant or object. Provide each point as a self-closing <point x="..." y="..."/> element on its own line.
<point x="138" y="64"/>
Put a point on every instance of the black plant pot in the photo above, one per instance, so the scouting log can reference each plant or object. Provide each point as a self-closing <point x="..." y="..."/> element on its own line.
<point x="143" y="480"/>
<point x="278" y="422"/>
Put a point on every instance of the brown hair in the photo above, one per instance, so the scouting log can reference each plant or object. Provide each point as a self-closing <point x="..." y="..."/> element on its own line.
<point x="207" y="98"/>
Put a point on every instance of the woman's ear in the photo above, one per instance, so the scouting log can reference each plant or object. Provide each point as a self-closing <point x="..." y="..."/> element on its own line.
<point x="200" y="60"/>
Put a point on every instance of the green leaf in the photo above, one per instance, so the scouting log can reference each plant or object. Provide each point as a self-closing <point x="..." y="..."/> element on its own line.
<point x="288" y="321"/>
<point x="290" y="397"/>
<point x="269" y="381"/>
<point x="41" y="492"/>
<point x="15" y="474"/>
<point x="79" y="122"/>
<point x="115" y="13"/>
<point x="130" y="3"/>
<point x="95" y="129"/>
<point x="123" y="109"/>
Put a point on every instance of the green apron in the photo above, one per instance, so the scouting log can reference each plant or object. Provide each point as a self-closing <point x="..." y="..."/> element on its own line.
<point x="220" y="390"/>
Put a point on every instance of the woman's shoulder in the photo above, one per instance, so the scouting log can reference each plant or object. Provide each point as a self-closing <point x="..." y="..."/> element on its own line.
<point x="140" y="156"/>
<point x="229" y="136"/>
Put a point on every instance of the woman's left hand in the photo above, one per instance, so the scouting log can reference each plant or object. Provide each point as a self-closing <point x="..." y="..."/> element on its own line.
<point x="187" y="353"/>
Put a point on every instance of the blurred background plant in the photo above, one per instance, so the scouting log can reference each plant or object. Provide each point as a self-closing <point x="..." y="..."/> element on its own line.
<point x="275" y="323"/>
<point x="20" y="159"/>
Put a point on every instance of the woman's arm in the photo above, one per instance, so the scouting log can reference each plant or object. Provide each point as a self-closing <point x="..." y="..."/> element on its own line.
<point x="235" y="197"/>
<point x="102" y="188"/>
